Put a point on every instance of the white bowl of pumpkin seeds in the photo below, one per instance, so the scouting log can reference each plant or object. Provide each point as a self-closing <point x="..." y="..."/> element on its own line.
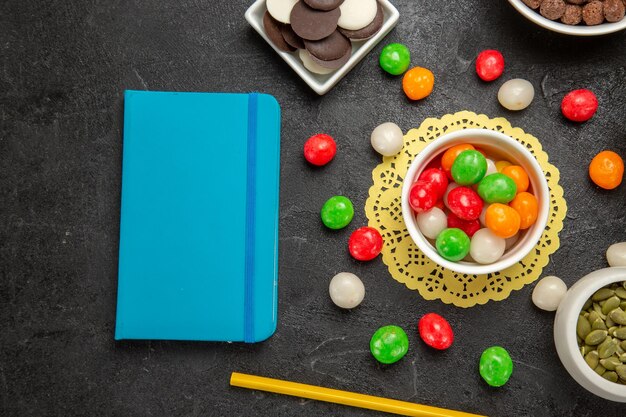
<point x="590" y="333"/>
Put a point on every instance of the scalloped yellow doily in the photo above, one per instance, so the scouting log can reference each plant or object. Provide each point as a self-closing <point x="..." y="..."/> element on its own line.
<point x="408" y="265"/>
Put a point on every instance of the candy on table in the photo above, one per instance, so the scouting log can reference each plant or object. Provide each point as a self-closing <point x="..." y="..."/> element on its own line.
<point x="527" y="207"/>
<point x="469" y="167"/>
<point x="468" y="226"/>
<point x="453" y="244"/>
<point x="486" y="247"/>
<point x="502" y="220"/>
<point x="422" y="196"/>
<point x="389" y="344"/>
<point x="548" y="293"/>
<point x="518" y="175"/>
<point x="607" y="170"/>
<point x="616" y="254"/>
<point x="489" y="65"/>
<point x="337" y="212"/>
<point x="465" y="203"/>
<point x="418" y="83"/>
<point x="387" y="139"/>
<point x="516" y="94"/>
<point x="500" y="165"/>
<point x="497" y="188"/>
<point x="431" y="222"/>
<point x="395" y="58"/>
<point x="495" y="366"/>
<point x="320" y="149"/>
<point x="579" y="105"/>
<point x="346" y="290"/>
<point x="365" y="243"/>
<point x="437" y="178"/>
<point x="435" y="331"/>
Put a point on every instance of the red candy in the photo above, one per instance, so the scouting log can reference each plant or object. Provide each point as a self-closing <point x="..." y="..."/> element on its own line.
<point x="579" y="105"/>
<point x="365" y="243"/>
<point x="320" y="149"/>
<point x="489" y="65"/>
<point x="468" y="226"/>
<point x="437" y="178"/>
<point x="423" y="196"/>
<point x="435" y="331"/>
<point x="465" y="203"/>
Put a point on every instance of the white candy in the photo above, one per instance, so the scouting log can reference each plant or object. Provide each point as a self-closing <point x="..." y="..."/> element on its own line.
<point x="281" y="9"/>
<point x="356" y="14"/>
<point x="516" y="94"/>
<point x="486" y="247"/>
<point x="346" y="290"/>
<point x="549" y="292"/>
<point x="451" y="187"/>
<point x="311" y="65"/>
<point x="511" y="241"/>
<point x="432" y="222"/>
<point x="483" y="215"/>
<point x="616" y="254"/>
<point x="491" y="167"/>
<point x="387" y="139"/>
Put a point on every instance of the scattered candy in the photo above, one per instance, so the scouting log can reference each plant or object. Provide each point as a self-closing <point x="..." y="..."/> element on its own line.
<point x="389" y="344"/>
<point x="502" y="220"/>
<point x="432" y="222"/>
<point x="616" y="254"/>
<point x="450" y="155"/>
<point x="365" y="243"/>
<point x="489" y="65"/>
<point x="337" y="212"/>
<point x="500" y="165"/>
<point x="496" y="366"/>
<point x="387" y="139"/>
<point x="468" y="226"/>
<point x="418" y="83"/>
<point x="453" y="244"/>
<point x="579" y="105"/>
<point x="548" y="293"/>
<point x="519" y="176"/>
<point x="465" y="203"/>
<point x="469" y="167"/>
<point x="527" y="207"/>
<point x="320" y="149"/>
<point x="395" y="58"/>
<point x="422" y="196"/>
<point x="437" y="178"/>
<point x="607" y="170"/>
<point x="516" y="94"/>
<point x="497" y="188"/>
<point x="435" y="331"/>
<point x="346" y="290"/>
<point x="486" y="247"/>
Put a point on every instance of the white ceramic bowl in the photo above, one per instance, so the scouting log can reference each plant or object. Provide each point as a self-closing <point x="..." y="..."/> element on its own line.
<point x="497" y="144"/>
<point x="557" y="26"/>
<point x="321" y="84"/>
<point x="565" y="333"/>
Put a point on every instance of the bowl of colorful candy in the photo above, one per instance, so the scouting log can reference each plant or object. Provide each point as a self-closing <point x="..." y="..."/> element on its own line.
<point x="475" y="201"/>
<point x="590" y="332"/>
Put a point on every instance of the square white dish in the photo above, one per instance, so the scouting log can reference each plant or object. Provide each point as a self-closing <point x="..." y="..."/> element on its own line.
<point x="321" y="84"/>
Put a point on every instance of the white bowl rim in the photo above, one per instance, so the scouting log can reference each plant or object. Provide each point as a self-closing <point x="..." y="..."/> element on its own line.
<point x="565" y="333"/>
<point x="576" y="30"/>
<point x="534" y="232"/>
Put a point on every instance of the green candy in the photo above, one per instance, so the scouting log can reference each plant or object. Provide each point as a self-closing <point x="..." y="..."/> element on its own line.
<point x="453" y="244"/>
<point x="496" y="366"/>
<point x="469" y="167"/>
<point x="395" y="58"/>
<point x="389" y="344"/>
<point x="497" y="188"/>
<point x="337" y="212"/>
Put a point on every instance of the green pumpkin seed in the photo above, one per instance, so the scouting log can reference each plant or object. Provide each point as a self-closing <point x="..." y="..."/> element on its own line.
<point x="587" y="304"/>
<point x="593" y="316"/>
<point x="622" y="305"/>
<point x="622" y="357"/>
<point x="607" y="348"/>
<point x="596" y="337"/>
<point x="611" y="376"/>
<point x="610" y="363"/>
<point x="623" y="344"/>
<point x="621" y="371"/>
<point x="621" y="292"/>
<point x="602" y="294"/>
<point x="619" y="350"/>
<point x="609" y="322"/>
<point x="599" y="370"/>
<point x="592" y="359"/>
<point x="598" y="325"/>
<point x="611" y="304"/>
<point x="582" y="327"/>
<point x="598" y="310"/>
<point x="618" y="316"/>
<point x="612" y="330"/>
<point x="624" y="284"/>
<point x="620" y="333"/>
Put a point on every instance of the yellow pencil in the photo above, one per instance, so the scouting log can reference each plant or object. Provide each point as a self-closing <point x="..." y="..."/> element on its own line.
<point x="341" y="397"/>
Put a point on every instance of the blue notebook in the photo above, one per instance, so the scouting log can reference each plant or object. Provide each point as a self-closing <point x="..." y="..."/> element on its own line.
<point x="199" y="217"/>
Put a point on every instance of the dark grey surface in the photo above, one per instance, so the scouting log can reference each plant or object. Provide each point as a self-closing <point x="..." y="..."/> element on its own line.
<point x="64" y="68"/>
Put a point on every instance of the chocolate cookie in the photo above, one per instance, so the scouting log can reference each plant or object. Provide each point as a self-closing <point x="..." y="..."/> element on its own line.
<point x="335" y="63"/>
<point x="312" y="24"/>
<point x="280" y="9"/>
<point x="330" y="48"/>
<point x="273" y="31"/>
<point x="356" y="14"/>
<point x="291" y="38"/>
<point x="324" y="4"/>
<point x="369" y="30"/>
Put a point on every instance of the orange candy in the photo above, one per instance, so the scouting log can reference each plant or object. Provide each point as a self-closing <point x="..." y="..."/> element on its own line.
<point x="607" y="170"/>
<point x="450" y="155"/>
<point x="518" y="175"/>
<point x="418" y="83"/>
<point x="527" y="207"/>
<point x="502" y="220"/>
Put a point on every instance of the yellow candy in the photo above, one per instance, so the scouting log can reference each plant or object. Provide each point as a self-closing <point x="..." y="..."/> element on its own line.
<point x="500" y="165"/>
